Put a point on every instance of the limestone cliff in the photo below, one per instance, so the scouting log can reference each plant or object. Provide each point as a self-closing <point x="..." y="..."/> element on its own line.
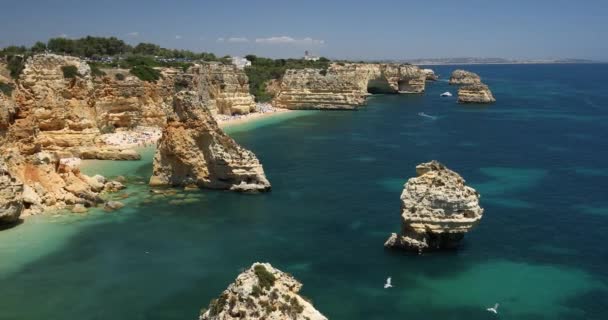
<point x="262" y="292"/>
<point x="437" y="209"/>
<point x="132" y="102"/>
<point x="345" y="86"/>
<point x="464" y="77"/>
<point x="224" y="86"/>
<point x="430" y="75"/>
<point x="193" y="150"/>
<point x="475" y="93"/>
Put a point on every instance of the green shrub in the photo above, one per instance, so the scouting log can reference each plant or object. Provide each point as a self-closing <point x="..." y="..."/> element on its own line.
<point x="96" y="71"/>
<point x="6" y="88"/>
<point x="15" y="64"/>
<point x="70" y="72"/>
<point x="110" y="128"/>
<point x="256" y="291"/>
<point x="119" y="76"/>
<point x="265" y="278"/>
<point x="145" y="73"/>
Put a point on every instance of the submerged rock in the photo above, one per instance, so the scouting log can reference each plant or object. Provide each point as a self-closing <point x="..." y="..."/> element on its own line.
<point x="113" y="205"/>
<point x="475" y="93"/>
<point x="194" y="150"/>
<point x="437" y="209"/>
<point x="261" y="292"/>
<point x="464" y="77"/>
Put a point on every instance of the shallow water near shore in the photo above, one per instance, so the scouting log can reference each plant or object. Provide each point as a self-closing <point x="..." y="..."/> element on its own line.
<point x="537" y="156"/>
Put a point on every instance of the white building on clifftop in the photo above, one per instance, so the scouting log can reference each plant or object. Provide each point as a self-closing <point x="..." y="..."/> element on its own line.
<point x="310" y="57"/>
<point x="240" y="62"/>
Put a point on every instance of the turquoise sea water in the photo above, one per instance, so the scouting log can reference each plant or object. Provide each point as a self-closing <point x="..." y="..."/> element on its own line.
<point x="537" y="156"/>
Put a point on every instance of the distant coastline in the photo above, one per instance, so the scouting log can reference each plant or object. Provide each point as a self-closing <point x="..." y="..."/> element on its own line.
<point x="492" y="61"/>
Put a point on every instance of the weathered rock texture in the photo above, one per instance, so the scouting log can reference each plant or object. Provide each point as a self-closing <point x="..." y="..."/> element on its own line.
<point x="464" y="77"/>
<point x="345" y="86"/>
<point x="132" y="102"/>
<point x="193" y="150"/>
<point x="11" y="195"/>
<point x="437" y="209"/>
<point x="227" y="87"/>
<point x="475" y="93"/>
<point x="262" y="292"/>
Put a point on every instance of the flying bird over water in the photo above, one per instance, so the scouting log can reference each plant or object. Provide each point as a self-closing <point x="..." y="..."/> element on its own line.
<point x="388" y="283"/>
<point x="494" y="309"/>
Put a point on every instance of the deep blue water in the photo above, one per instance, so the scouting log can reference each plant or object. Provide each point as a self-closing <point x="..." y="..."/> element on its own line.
<point x="538" y="157"/>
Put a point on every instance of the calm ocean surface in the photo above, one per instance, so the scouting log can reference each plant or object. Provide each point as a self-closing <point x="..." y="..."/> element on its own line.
<point x="539" y="158"/>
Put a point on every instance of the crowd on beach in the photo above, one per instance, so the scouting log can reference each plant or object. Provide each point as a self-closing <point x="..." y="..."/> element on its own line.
<point x="140" y="137"/>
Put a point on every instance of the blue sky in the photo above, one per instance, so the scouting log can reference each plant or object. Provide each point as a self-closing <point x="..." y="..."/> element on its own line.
<point x="381" y="29"/>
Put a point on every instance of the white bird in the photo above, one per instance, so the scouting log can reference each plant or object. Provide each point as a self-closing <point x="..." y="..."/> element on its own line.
<point x="388" y="283"/>
<point x="493" y="309"/>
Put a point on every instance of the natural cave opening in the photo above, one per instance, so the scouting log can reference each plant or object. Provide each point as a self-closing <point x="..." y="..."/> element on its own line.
<point x="379" y="85"/>
<point x="404" y="86"/>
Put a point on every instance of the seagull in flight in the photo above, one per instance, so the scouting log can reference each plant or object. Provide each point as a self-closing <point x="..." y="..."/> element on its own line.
<point x="388" y="283"/>
<point x="494" y="309"/>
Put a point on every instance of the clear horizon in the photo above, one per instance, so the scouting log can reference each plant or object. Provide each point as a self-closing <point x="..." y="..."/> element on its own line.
<point x="391" y="30"/>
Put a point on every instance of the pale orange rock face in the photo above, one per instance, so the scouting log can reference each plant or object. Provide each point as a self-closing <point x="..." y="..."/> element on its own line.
<point x="344" y="86"/>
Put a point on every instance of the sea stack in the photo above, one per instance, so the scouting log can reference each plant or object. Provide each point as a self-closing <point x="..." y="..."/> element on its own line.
<point x="430" y="75"/>
<point x="437" y="210"/>
<point x="464" y="77"/>
<point x="194" y="151"/>
<point x="261" y="292"/>
<point x="475" y="93"/>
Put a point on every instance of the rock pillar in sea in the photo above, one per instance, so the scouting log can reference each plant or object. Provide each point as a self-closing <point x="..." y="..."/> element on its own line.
<point x="261" y="292"/>
<point x="193" y="150"/>
<point x="437" y="210"/>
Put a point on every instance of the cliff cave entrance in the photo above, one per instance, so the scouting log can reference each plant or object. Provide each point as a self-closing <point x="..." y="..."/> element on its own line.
<point x="379" y="85"/>
<point x="405" y="86"/>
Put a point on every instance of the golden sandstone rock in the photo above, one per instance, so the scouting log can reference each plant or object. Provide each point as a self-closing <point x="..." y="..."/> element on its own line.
<point x="437" y="209"/>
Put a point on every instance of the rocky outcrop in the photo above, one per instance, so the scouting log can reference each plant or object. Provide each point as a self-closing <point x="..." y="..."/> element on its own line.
<point x="475" y="93"/>
<point x="193" y="150"/>
<point x="11" y="196"/>
<point x="430" y="75"/>
<point x="437" y="210"/>
<point x="345" y="86"/>
<point x="7" y="112"/>
<point x="464" y="77"/>
<point x="262" y="292"/>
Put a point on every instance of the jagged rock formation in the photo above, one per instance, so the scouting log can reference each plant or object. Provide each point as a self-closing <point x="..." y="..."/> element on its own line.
<point x="464" y="77"/>
<point x="11" y="196"/>
<point x="193" y="150"/>
<point x="430" y="75"/>
<point x="262" y="292"/>
<point x="345" y="86"/>
<point x="437" y="209"/>
<point x="475" y="93"/>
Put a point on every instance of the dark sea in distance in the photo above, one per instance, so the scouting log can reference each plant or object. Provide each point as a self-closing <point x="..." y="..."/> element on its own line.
<point x="538" y="157"/>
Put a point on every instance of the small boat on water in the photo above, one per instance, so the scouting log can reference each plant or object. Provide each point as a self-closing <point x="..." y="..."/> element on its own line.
<point x="446" y="94"/>
<point x="422" y="114"/>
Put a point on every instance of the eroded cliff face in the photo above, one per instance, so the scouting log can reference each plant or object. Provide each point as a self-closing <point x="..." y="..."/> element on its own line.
<point x="475" y="93"/>
<point x="345" y="86"/>
<point x="262" y="292"/>
<point x="437" y="210"/>
<point x="132" y="102"/>
<point x="194" y="151"/>
<point x="11" y="195"/>
<point x="224" y="86"/>
<point x="56" y="109"/>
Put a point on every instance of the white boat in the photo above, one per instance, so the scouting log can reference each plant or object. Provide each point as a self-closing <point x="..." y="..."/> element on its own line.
<point x="422" y="114"/>
<point x="446" y="94"/>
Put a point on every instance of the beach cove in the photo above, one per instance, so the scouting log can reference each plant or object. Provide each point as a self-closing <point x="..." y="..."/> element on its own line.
<point x="336" y="181"/>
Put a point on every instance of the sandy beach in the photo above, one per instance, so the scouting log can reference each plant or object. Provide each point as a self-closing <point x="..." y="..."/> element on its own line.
<point x="263" y="110"/>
